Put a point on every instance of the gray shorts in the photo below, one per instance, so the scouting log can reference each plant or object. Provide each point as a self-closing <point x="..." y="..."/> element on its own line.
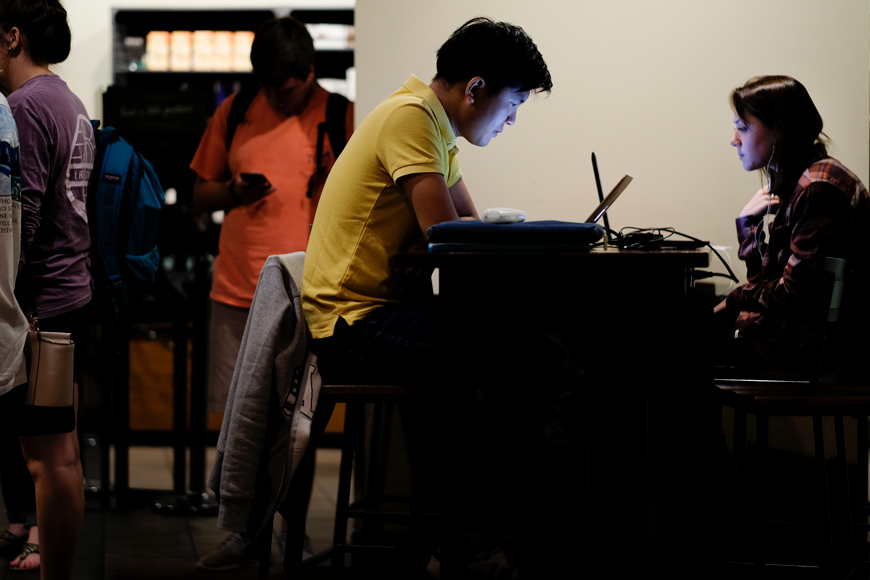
<point x="224" y="340"/>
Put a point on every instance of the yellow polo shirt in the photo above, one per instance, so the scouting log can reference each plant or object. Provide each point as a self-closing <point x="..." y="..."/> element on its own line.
<point x="364" y="219"/>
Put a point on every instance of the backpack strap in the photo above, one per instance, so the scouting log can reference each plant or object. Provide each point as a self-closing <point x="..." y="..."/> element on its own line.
<point x="334" y="126"/>
<point x="336" y="118"/>
<point x="241" y="102"/>
<point x="111" y="173"/>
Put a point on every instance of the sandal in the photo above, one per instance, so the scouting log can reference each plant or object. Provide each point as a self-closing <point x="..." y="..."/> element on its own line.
<point x="28" y="549"/>
<point x="13" y="542"/>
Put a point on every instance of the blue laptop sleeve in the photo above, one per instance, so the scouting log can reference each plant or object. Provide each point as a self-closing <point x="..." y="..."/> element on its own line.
<point x="545" y="235"/>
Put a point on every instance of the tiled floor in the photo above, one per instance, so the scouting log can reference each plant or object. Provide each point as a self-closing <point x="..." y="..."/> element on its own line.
<point x="139" y="543"/>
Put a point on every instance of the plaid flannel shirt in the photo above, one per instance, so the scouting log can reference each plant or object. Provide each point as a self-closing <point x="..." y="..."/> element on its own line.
<point x="827" y="214"/>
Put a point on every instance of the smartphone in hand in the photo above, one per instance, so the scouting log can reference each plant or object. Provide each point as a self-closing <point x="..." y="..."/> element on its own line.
<point x="254" y="178"/>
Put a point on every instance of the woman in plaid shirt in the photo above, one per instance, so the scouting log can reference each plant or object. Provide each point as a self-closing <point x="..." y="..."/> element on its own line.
<point x="820" y="209"/>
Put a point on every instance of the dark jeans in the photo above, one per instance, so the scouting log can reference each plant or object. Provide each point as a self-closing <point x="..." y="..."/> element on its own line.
<point x="524" y="379"/>
<point x="392" y="345"/>
<point x="397" y="344"/>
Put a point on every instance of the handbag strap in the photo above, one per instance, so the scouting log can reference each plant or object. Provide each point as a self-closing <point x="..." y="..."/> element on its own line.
<point x="34" y="315"/>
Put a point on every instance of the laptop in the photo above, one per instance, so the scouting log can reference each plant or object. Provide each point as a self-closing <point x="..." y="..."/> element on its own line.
<point x="605" y="202"/>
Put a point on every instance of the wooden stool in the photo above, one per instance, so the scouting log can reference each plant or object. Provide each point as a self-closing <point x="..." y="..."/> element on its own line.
<point x="371" y="506"/>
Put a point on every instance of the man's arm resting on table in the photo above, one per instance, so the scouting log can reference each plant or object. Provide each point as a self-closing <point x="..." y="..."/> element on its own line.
<point x="433" y="202"/>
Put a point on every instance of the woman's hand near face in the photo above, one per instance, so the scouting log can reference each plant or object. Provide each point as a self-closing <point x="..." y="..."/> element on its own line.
<point x="758" y="204"/>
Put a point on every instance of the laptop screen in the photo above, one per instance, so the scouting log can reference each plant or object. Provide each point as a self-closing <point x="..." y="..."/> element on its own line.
<point x="609" y="199"/>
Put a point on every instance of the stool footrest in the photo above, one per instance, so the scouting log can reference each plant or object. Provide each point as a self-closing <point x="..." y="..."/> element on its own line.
<point x="386" y="516"/>
<point x="370" y="390"/>
<point x="341" y="550"/>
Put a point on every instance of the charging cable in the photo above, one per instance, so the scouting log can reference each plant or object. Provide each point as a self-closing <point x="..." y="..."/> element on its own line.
<point x="664" y="233"/>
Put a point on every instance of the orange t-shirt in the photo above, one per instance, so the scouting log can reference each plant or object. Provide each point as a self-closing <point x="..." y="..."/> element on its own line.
<point x="283" y="149"/>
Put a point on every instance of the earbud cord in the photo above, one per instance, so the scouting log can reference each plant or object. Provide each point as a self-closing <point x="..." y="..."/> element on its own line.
<point x="769" y="195"/>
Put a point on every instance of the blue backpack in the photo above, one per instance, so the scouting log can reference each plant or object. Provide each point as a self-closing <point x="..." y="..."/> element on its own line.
<point x="124" y="203"/>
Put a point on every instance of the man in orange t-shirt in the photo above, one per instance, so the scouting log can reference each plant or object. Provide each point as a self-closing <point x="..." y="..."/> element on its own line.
<point x="277" y="139"/>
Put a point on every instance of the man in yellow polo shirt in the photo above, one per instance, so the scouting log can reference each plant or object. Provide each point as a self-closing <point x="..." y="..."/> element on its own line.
<point x="399" y="175"/>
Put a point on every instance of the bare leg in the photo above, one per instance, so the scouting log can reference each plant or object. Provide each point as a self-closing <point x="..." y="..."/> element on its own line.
<point x="54" y="463"/>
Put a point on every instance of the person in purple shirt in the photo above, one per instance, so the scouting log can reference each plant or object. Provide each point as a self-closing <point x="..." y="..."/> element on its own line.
<point x="56" y="153"/>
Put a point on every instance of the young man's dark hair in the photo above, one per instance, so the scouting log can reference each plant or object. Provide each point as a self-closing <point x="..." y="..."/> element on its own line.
<point x="499" y="52"/>
<point x="282" y="49"/>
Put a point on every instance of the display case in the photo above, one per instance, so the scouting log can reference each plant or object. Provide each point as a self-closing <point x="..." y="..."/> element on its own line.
<point x="183" y="49"/>
<point x="172" y="68"/>
<point x="163" y="95"/>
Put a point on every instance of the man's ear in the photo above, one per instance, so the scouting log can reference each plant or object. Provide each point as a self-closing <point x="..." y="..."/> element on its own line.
<point x="473" y="88"/>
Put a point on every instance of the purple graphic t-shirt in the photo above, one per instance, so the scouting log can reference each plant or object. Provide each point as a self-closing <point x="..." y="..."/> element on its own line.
<point x="57" y="155"/>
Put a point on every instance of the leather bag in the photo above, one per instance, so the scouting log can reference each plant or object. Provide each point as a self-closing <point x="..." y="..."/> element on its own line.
<point x="49" y="406"/>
